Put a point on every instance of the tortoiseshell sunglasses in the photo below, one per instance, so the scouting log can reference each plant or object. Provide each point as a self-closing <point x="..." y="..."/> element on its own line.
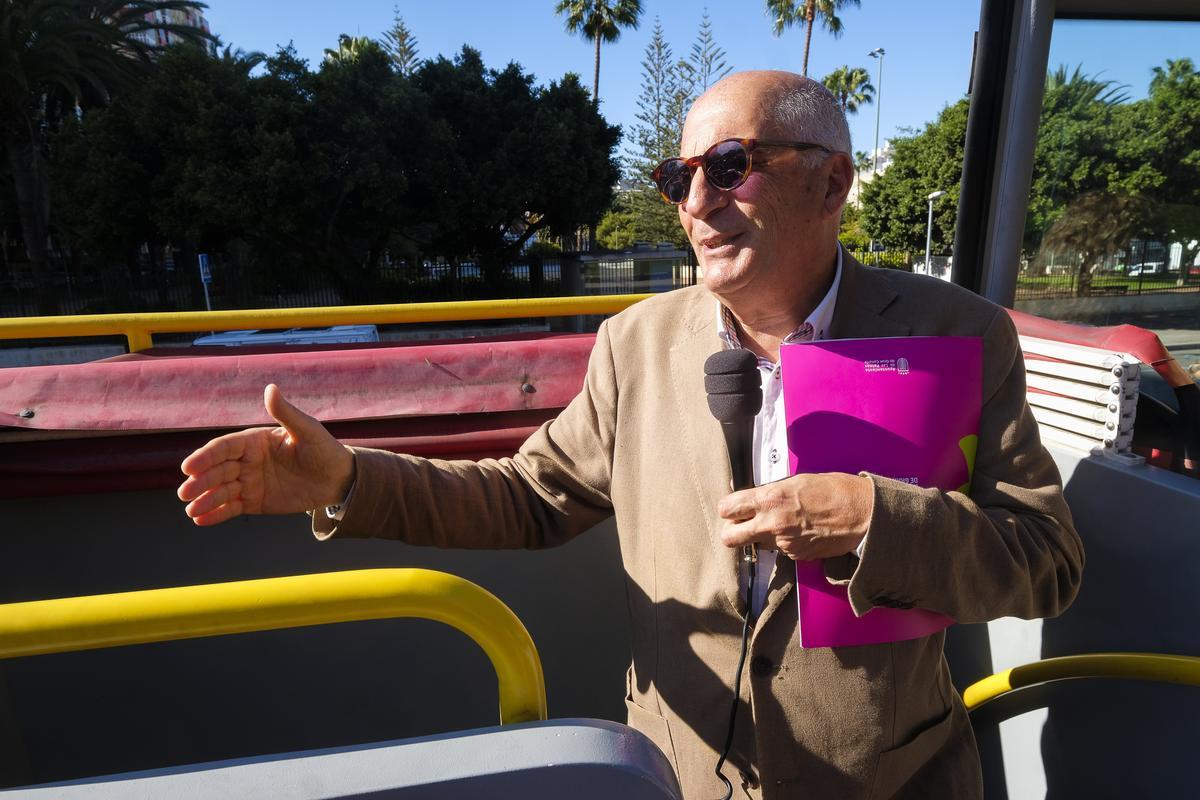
<point x="726" y="166"/>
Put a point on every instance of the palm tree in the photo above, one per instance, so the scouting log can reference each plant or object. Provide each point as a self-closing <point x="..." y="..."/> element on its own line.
<point x="1078" y="90"/>
<point x="787" y="13"/>
<point x="599" y="20"/>
<point x="58" y="58"/>
<point x="242" y="61"/>
<point x="351" y="49"/>
<point x="851" y="86"/>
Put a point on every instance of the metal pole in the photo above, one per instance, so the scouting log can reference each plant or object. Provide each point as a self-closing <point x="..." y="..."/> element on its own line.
<point x="878" y="52"/>
<point x="929" y="231"/>
<point x="929" y="238"/>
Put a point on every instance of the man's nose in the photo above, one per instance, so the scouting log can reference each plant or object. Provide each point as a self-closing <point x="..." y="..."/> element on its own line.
<point x="703" y="199"/>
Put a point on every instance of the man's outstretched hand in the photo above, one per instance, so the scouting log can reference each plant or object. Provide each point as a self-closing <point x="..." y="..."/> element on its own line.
<point x="297" y="466"/>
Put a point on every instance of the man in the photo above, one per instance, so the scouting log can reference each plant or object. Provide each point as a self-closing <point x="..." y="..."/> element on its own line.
<point x="638" y="441"/>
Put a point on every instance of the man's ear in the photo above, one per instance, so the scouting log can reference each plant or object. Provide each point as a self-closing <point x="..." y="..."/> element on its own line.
<point x="841" y="178"/>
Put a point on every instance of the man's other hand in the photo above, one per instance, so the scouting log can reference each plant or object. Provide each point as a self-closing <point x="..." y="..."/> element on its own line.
<point x="297" y="466"/>
<point x="805" y="516"/>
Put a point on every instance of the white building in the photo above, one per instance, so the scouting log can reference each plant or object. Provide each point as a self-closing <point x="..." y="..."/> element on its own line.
<point x="163" y="38"/>
<point x="885" y="155"/>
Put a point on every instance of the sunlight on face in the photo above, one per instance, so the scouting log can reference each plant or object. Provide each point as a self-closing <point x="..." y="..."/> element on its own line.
<point x="747" y="238"/>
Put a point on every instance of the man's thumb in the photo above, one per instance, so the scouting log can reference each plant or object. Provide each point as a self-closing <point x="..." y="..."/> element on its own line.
<point x="299" y="425"/>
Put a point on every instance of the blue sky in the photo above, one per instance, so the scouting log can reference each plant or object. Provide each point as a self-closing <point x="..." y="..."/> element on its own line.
<point x="927" y="63"/>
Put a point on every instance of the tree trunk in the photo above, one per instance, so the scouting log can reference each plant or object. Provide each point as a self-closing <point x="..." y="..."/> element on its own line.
<point x="537" y="277"/>
<point x="32" y="183"/>
<point x="596" y="76"/>
<point x="810" y="14"/>
<point x="158" y="268"/>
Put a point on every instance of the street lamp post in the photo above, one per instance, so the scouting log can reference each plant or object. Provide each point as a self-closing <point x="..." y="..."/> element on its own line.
<point x="877" y="53"/>
<point x="929" y="232"/>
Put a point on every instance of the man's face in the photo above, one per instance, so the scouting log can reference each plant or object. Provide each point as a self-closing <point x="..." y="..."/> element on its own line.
<point x="746" y="238"/>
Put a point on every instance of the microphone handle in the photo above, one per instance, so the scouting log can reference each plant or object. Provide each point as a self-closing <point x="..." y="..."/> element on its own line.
<point x="737" y="443"/>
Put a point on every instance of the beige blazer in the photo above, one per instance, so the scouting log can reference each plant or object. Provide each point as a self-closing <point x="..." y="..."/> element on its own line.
<point x="858" y="722"/>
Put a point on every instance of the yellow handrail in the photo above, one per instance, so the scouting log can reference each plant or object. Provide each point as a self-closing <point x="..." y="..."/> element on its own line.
<point x="1136" y="666"/>
<point x="187" y="612"/>
<point x="139" y="329"/>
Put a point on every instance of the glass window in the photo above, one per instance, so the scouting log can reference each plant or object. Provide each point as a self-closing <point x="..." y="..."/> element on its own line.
<point x="1112" y="232"/>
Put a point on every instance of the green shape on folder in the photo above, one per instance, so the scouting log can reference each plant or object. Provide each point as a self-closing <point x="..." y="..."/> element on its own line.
<point x="969" y="446"/>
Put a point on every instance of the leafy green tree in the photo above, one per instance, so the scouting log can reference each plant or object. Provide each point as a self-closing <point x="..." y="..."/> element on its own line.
<point x="368" y="138"/>
<point x="1157" y="142"/>
<point x="805" y="13"/>
<point x="617" y="228"/>
<point x="1075" y="152"/>
<point x="61" y="58"/>
<point x="894" y="203"/>
<point x="851" y="233"/>
<point x="512" y="160"/>
<point x="599" y="20"/>
<point x="1095" y="225"/>
<point x="851" y="86"/>
<point x="291" y="173"/>
<point x="401" y="45"/>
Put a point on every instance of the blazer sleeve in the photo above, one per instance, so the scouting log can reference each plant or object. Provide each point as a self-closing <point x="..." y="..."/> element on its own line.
<point x="1009" y="549"/>
<point x="554" y="488"/>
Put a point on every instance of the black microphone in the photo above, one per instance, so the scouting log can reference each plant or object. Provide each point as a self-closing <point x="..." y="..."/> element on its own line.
<point x="734" y="387"/>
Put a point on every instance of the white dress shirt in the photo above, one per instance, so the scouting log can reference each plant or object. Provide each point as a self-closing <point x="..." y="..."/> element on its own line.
<point x="770" y="447"/>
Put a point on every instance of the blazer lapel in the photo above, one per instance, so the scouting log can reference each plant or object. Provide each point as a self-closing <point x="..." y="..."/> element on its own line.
<point x="706" y="460"/>
<point x="863" y="298"/>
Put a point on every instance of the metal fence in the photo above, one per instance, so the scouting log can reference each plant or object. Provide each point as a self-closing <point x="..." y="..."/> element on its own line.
<point x="165" y="287"/>
<point x="889" y="259"/>
<point x="1040" y="283"/>
<point x="1142" y="267"/>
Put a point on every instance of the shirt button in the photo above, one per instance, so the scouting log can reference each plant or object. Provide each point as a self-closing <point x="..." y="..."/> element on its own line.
<point x="774" y="455"/>
<point x="761" y="666"/>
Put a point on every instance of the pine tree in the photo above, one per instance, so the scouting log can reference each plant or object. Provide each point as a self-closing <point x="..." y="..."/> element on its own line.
<point x="400" y="45"/>
<point x="662" y="106"/>
<point x="654" y="136"/>
<point x="707" y="60"/>
<point x="669" y="87"/>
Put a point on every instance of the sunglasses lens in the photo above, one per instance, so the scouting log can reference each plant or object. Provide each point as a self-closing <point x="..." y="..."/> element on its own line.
<point x="674" y="180"/>
<point x="726" y="165"/>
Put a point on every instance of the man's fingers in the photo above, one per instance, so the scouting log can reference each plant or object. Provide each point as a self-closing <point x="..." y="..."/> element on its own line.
<point x="218" y="497"/>
<point x="197" y="485"/>
<point x="300" y="426"/>
<point x="739" y="534"/>
<point x="228" y="511"/>
<point x="230" y="447"/>
<point x="739" y="505"/>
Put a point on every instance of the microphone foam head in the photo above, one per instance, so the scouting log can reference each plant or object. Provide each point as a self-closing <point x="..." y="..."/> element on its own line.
<point x="734" y="385"/>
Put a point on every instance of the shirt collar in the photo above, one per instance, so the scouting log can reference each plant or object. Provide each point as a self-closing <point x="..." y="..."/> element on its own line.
<point x="820" y="318"/>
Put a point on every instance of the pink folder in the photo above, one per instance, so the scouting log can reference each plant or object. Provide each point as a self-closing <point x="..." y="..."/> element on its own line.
<point x="905" y="408"/>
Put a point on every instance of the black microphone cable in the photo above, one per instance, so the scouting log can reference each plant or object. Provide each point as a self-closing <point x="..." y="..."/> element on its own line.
<point x="737" y="681"/>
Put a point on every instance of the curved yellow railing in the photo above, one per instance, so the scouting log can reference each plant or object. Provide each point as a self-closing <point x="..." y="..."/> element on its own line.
<point x="1136" y="666"/>
<point x="139" y="329"/>
<point x="187" y="612"/>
